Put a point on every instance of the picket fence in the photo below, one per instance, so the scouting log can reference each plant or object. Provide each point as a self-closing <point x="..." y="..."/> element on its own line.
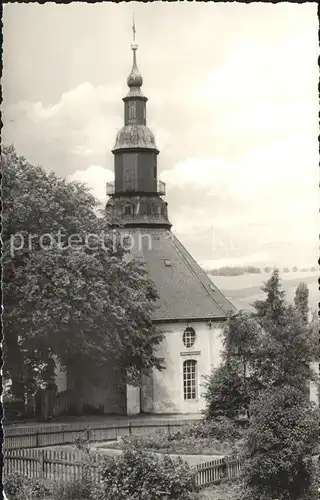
<point x="59" y="434"/>
<point x="63" y="465"/>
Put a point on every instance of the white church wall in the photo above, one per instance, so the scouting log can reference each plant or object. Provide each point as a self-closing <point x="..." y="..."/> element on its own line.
<point x="133" y="400"/>
<point x="167" y="388"/>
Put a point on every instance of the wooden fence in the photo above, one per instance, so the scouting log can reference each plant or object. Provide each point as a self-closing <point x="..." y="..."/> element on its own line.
<point x="53" y="435"/>
<point x="63" y="465"/>
<point x="213" y="472"/>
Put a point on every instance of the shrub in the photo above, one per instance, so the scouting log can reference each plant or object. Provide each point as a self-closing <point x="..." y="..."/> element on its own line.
<point x="20" y="487"/>
<point x="83" y="488"/>
<point x="203" y="437"/>
<point x="143" y="476"/>
<point x="279" y="446"/>
<point x="222" y="429"/>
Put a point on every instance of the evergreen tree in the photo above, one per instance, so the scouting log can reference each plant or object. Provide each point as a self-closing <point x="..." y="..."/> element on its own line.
<point x="283" y="423"/>
<point x="301" y="301"/>
<point x="273" y="307"/>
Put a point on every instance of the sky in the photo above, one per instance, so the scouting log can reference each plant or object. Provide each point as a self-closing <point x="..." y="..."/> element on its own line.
<point x="233" y="104"/>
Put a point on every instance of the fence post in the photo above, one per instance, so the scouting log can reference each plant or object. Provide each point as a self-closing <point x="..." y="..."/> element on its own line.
<point x="41" y="463"/>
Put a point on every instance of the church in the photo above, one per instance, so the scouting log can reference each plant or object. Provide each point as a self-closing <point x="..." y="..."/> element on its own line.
<point x="191" y="311"/>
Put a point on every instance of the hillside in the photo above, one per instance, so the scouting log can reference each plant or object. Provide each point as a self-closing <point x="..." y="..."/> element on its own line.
<point x="244" y="290"/>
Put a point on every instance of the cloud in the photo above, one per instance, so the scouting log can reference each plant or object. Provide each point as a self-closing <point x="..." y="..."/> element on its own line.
<point x="95" y="177"/>
<point x="234" y="111"/>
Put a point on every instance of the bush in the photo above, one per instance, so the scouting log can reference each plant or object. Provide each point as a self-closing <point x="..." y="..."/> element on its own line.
<point x="222" y="429"/>
<point x="20" y="487"/>
<point x="199" y="438"/>
<point x="75" y="489"/>
<point x="281" y="438"/>
<point x="143" y="476"/>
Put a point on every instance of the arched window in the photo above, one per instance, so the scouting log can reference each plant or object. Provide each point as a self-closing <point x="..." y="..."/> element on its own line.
<point x="190" y="379"/>
<point x="189" y="337"/>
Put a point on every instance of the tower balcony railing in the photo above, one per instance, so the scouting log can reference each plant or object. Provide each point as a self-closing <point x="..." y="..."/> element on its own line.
<point x="110" y="190"/>
<point x="161" y="188"/>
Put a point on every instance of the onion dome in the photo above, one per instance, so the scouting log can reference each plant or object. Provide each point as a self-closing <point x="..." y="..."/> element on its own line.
<point x="135" y="136"/>
<point x="134" y="79"/>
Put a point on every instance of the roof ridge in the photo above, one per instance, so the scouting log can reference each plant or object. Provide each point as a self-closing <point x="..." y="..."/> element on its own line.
<point x="174" y="240"/>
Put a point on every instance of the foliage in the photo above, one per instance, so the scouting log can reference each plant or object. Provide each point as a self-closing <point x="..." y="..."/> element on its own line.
<point x="78" y="300"/>
<point x="273" y="306"/>
<point x="223" y="491"/>
<point x="225" y="391"/>
<point x="234" y="270"/>
<point x="143" y="476"/>
<point x="20" y="487"/>
<point x="279" y="445"/>
<point x="285" y="353"/>
<point x="199" y="438"/>
<point x="222" y="429"/>
<point x="82" y="488"/>
<point x="301" y="301"/>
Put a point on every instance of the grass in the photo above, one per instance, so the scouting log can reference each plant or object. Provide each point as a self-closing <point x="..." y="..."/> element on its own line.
<point x="199" y="446"/>
<point x="223" y="491"/>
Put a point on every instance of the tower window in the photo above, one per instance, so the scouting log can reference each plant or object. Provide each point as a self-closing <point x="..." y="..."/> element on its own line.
<point x="189" y="379"/>
<point x="128" y="210"/>
<point x="189" y="337"/>
<point x="132" y="111"/>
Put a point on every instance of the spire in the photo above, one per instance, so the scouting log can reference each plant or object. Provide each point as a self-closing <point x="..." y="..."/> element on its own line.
<point x="135" y="78"/>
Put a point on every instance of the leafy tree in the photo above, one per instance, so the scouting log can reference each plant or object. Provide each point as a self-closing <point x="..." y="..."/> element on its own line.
<point x="227" y="388"/>
<point x="301" y="301"/>
<point x="225" y="393"/>
<point x="281" y="437"/>
<point x="70" y="293"/>
<point x="241" y="337"/>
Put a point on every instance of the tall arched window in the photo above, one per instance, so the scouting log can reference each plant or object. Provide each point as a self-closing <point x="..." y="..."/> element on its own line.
<point x="190" y="379"/>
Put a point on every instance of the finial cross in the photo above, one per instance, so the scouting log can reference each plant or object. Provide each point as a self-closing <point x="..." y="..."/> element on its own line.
<point x="133" y="28"/>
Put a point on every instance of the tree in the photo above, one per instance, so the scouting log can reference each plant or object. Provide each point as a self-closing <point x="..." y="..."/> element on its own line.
<point x="240" y="339"/>
<point x="225" y="392"/>
<point x="283" y="424"/>
<point x="281" y="437"/>
<point x="273" y="307"/>
<point x="301" y="301"/>
<point x="70" y="293"/>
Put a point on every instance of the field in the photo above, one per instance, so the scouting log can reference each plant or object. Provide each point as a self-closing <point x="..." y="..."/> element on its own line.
<point x="243" y="290"/>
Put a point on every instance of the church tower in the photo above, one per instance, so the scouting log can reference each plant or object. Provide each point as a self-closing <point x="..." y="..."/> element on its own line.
<point x="190" y="310"/>
<point x="136" y="195"/>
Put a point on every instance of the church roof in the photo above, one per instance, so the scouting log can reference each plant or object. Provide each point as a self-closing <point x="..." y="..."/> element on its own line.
<point x="185" y="290"/>
<point x="135" y="136"/>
